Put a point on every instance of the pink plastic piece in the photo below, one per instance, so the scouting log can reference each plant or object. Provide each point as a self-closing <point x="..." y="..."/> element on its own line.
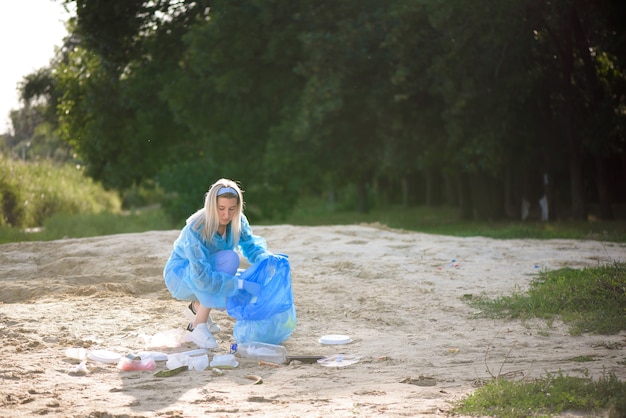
<point x="127" y="364"/>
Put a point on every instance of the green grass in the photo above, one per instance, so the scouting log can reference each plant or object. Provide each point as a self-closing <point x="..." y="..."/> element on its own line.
<point x="30" y="193"/>
<point x="546" y="397"/>
<point x="432" y="220"/>
<point x="445" y="221"/>
<point x="589" y="300"/>
<point x="61" y="226"/>
<point x="67" y="204"/>
<point x="43" y="201"/>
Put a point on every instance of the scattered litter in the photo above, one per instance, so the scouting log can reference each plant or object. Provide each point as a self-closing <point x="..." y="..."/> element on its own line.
<point x="93" y="340"/>
<point x="154" y="355"/>
<point x="196" y="352"/>
<point x="257" y="379"/>
<point x="304" y="359"/>
<point x="168" y="373"/>
<point x="76" y="353"/>
<point x="335" y="339"/>
<point x="217" y="372"/>
<point x="133" y="364"/>
<point x="453" y="264"/>
<point x="190" y="359"/>
<point x="104" y="356"/>
<point x="260" y="351"/>
<point x="268" y="363"/>
<point x="339" y="360"/>
<point x="171" y="338"/>
<point x="80" y="370"/>
<point x="224" y="361"/>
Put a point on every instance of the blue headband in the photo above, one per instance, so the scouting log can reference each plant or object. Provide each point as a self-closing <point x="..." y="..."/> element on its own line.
<point x="225" y="190"/>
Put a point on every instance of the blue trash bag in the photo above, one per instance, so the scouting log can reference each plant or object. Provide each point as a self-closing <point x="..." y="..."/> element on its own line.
<point x="273" y="330"/>
<point x="269" y="317"/>
<point x="274" y="275"/>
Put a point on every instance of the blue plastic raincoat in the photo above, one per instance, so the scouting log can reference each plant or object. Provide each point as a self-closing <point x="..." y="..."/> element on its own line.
<point x="189" y="274"/>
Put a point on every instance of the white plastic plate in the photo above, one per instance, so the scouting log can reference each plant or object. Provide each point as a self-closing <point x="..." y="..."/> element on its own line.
<point x="339" y="360"/>
<point x="335" y="339"/>
<point x="104" y="356"/>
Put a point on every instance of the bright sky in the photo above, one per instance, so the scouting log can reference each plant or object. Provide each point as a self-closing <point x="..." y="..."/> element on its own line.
<point x="29" y="32"/>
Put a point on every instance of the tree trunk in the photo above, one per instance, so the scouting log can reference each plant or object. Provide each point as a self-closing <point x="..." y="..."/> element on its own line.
<point x="487" y="197"/>
<point x="604" y="190"/>
<point x="595" y="109"/>
<point x="579" y="210"/>
<point x="465" y="197"/>
<point x="362" y="202"/>
<point x="433" y="187"/>
<point x="331" y="196"/>
<point x="451" y="193"/>
<point x="405" y="191"/>
<point x="548" y="147"/>
<point x="511" y="203"/>
<point x="548" y="187"/>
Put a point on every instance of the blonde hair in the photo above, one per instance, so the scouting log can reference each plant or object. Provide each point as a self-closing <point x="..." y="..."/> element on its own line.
<point x="206" y="220"/>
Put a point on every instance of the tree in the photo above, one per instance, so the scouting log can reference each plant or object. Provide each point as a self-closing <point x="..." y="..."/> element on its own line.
<point x="586" y="40"/>
<point x="112" y="110"/>
<point x="233" y="87"/>
<point x="345" y="69"/>
<point x="298" y="97"/>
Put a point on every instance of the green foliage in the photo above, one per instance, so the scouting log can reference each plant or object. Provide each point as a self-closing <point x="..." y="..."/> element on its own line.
<point x="311" y="212"/>
<point x="186" y="184"/>
<point x="93" y="120"/>
<point x="551" y="395"/>
<point x="111" y="29"/>
<point x="32" y="192"/>
<point x="145" y="194"/>
<point x="13" y="212"/>
<point x="113" y="111"/>
<point x="60" y="225"/>
<point x="445" y="220"/>
<point x="590" y="300"/>
<point x="605" y="231"/>
<point x="240" y="86"/>
<point x="34" y="137"/>
<point x="479" y="100"/>
<point x="88" y="225"/>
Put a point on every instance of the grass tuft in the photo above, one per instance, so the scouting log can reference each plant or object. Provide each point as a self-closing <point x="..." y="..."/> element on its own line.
<point x="589" y="300"/>
<point x="548" y="396"/>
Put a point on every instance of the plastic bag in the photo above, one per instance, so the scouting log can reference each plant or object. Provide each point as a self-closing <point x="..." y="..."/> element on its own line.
<point x="273" y="330"/>
<point x="269" y="317"/>
<point x="274" y="275"/>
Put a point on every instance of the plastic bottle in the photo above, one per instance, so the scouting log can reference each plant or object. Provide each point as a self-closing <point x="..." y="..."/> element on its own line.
<point x="261" y="351"/>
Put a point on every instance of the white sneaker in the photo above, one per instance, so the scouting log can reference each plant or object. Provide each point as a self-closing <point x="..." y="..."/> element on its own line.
<point x="190" y="313"/>
<point x="202" y="337"/>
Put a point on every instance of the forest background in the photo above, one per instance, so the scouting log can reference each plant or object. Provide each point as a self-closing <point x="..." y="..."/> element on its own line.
<point x="495" y="108"/>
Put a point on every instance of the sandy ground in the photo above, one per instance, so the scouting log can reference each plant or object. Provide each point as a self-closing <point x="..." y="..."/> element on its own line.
<point x="397" y="294"/>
